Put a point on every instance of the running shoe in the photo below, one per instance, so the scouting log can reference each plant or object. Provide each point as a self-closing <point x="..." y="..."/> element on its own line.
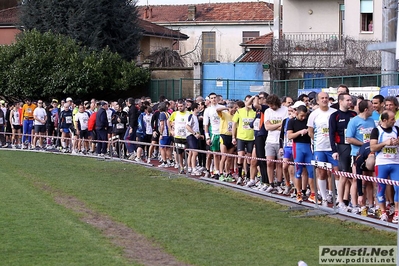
<point x="182" y="172"/>
<point x="395" y="219"/>
<point x="196" y="173"/>
<point x="148" y="160"/>
<point x="229" y="178"/>
<point x="216" y="176"/>
<point x="239" y="181"/>
<point x="207" y="174"/>
<point x="222" y="178"/>
<point x="299" y="198"/>
<point x="138" y="160"/>
<point x="329" y="198"/>
<point x="342" y="207"/>
<point x="263" y="187"/>
<point x="163" y="165"/>
<point x="384" y="217"/>
<point x="279" y="190"/>
<point x="270" y="189"/>
<point x="250" y="183"/>
<point x="355" y="210"/>
<point x="324" y="203"/>
<point x="287" y="190"/>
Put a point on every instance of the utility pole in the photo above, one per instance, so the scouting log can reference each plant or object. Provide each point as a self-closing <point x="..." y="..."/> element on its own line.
<point x="389" y="30"/>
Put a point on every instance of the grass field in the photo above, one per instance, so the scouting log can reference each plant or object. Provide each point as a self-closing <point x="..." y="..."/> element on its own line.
<point x="197" y="223"/>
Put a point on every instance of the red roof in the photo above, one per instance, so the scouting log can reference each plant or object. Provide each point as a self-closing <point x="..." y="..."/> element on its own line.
<point x="9" y="16"/>
<point x="160" y="31"/>
<point x="255" y="55"/>
<point x="212" y="12"/>
<point x="262" y="40"/>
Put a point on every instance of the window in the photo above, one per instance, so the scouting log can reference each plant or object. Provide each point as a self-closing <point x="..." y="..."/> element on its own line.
<point x="249" y="35"/>
<point x="366" y="15"/>
<point x="208" y="46"/>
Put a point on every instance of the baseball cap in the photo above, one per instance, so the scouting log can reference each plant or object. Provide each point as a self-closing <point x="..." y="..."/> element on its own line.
<point x="69" y="99"/>
<point x="298" y="103"/>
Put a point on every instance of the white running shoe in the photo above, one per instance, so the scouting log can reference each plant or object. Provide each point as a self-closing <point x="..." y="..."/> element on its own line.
<point x="148" y="160"/>
<point x="269" y="189"/>
<point x="287" y="190"/>
<point x="239" y="181"/>
<point x="279" y="190"/>
<point x="324" y="203"/>
<point x="163" y="165"/>
<point x="384" y="217"/>
<point x="250" y="183"/>
<point x="138" y="160"/>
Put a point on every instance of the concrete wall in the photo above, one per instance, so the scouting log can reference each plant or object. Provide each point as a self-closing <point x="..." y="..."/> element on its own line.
<point x="311" y="16"/>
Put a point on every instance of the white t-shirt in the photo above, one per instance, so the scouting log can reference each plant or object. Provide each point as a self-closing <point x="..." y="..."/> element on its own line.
<point x="147" y="120"/>
<point x="275" y="117"/>
<point x="319" y="121"/>
<point x="41" y="114"/>
<point x="212" y="117"/>
<point x="193" y="123"/>
<point x="82" y="119"/>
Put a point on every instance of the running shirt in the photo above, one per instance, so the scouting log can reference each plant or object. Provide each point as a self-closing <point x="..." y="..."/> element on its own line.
<point x="41" y="114"/>
<point x="15" y="119"/>
<point x="359" y="129"/>
<point x="66" y="119"/>
<point x="83" y="120"/>
<point x="164" y="116"/>
<point x="376" y="117"/>
<point x="244" y="117"/>
<point x="259" y="125"/>
<point x="147" y="122"/>
<point x="27" y="111"/>
<point x="296" y="125"/>
<point x="211" y="117"/>
<point x="109" y="112"/>
<point x="319" y="121"/>
<point x="275" y="117"/>
<point x="180" y="121"/>
<point x="226" y="123"/>
<point x="388" y="154"/>
<point x="286" y="142"/>
<point x="192" y="122"/>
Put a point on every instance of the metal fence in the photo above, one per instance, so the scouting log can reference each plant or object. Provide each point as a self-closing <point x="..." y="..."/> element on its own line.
<point x="237" y="89"/>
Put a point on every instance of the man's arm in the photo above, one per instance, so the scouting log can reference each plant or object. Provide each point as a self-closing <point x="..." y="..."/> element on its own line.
<point x="354" y="141"/>
<point x="311" y="132"/>
<point x="270" y="127"/>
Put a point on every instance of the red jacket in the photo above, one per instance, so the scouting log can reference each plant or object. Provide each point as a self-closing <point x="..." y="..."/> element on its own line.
<point x="92" y="122"/>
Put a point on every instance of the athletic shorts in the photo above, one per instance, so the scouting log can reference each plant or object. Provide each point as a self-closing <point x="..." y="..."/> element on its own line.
<point x="215" y="142"/>
<point x="288" y="153"/>
<point x="180" y="145"/>
<point x="84" y="134"/>
<point x="65" y="130"/>
<point x="165" y="141"/>
<point x="156" y="139"/>
<point x="110" y="130"/>
<point x="227" y="140"/>
<point x="192" y="142"/>
<point x="273" y="150"/>
<point x="145" y="138"/>
<point x="325" y="156"/>
<point x="17" y="127"/>
<point x="344" y="162"/>
<point x="245" y="145"/>
<point x="40" y="129"/>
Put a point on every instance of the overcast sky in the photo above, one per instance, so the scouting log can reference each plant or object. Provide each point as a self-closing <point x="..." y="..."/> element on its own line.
<point x="183" y="2"/>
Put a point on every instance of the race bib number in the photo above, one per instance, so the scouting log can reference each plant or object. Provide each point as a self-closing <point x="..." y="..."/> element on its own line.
<point x="68" y="119"/>
<point x="346" y="141"/>
<point x="389" y="152"/>
<point x="181" y="132"/>
<point x="246" y="123"/>
<point x="366" y="134"/>
<point x="230" y="126"/>
<point x="325" y="131"/>
<point x="257" y="124"/>
<point x="289" y="143"/>
<point x="29" y="111"/>
<point x="120" y="126"/>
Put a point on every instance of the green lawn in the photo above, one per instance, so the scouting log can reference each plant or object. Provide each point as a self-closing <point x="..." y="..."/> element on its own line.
<point x="197" y="223"/>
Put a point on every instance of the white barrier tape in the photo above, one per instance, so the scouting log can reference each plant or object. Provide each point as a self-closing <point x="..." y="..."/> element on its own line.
<point x="316" y="164"/>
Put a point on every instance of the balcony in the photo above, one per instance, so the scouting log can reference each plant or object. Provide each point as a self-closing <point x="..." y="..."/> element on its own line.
<point x="302" y="42"/>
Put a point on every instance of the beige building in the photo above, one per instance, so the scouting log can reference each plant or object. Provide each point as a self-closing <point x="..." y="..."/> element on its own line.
<point x="359" y="19"/>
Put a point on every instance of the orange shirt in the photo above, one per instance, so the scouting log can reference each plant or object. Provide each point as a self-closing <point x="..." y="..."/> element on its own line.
<point x="27" y="111"/>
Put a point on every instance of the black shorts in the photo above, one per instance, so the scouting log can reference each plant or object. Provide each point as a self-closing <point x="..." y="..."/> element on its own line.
<point x="110" y="130"/>
<point x="40" y="129"/>
<point x="192" y="142"/>
<point x="145" y="138"/>
<point x="156" y="139"/>
<point x="344" y="162"/>
<point x="17" y="127"/>
<point x="227" y="140"/>
<point x="180" y="145"/>
<point x="245" y="145"/>
<point x="84" y="134"/>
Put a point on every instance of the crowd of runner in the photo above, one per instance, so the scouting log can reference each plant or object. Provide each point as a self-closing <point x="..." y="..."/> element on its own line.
<point x="353" y="134"/>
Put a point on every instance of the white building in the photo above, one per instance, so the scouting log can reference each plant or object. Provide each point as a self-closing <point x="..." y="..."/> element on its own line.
<point x="215" y="30"/>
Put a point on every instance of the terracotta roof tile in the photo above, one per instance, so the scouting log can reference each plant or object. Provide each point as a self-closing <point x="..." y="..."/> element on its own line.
<point x="255" y="55"/>
<point x="9" y="16"/>
<point x="263" y="40"/>
<point x="160" y="31"/>
<point x="246" y="11"/>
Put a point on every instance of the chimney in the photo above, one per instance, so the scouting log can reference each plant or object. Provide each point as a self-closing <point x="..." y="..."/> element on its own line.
<point x="150" y="13"/>
<point x="146" y="12"/>
<point x="191" y="13"/>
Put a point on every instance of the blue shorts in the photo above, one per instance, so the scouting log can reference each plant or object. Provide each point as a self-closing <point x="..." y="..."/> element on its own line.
<point x="165" y="141"/>
<point x="325" y="156"/>
<point x="288" y="153"/>
<point x="192" y="142"/>
<point x="65" y="130"/>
